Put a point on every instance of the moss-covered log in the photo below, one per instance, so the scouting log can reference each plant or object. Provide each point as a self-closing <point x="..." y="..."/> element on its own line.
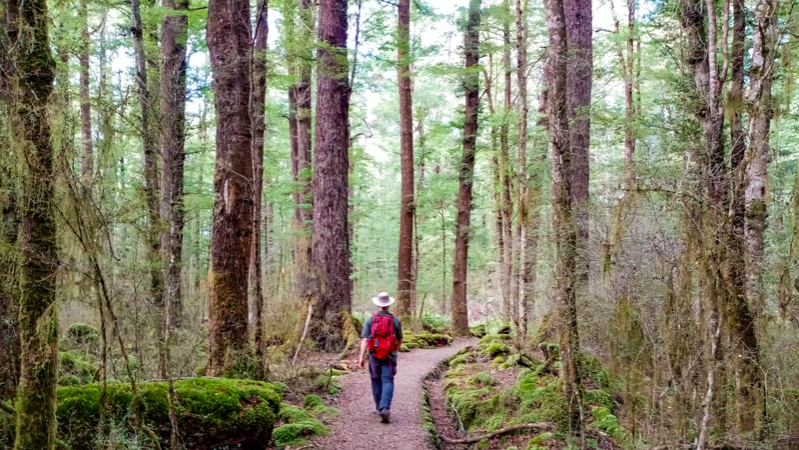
<point x="211" y="413"/>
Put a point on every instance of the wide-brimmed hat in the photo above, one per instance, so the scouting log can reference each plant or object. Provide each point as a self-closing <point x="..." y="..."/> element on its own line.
<point x="382" y="300"/>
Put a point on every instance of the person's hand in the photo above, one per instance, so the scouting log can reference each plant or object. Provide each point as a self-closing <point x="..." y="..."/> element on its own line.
<point x="362" y="362"/>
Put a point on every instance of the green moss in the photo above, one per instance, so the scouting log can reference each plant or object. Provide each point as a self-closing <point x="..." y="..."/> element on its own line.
<point x="483" y="444"/>
<point x="478" y="331"/>
<point x="498" y="361"/>
<point x="77" y="364"/>
<point x="281" y="386"/>
<point x="405" y="348"/>
<point x="482" y="379"/>
<point x="209" y="411"/>
<point x="539" y="442"/>
<point x="315" y="403"/>
<point x="298" y="426"/>
<point x="425" y="340"/>
<point x="498" y="349"/>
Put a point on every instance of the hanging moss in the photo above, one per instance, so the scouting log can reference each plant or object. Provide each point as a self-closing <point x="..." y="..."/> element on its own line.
<point x="211" y="413"/>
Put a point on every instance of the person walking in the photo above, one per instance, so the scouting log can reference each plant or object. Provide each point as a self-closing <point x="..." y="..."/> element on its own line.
<point x="382" y="337"/>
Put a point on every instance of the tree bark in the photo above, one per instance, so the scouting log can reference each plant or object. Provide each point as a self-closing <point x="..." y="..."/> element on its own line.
<point x="257" y="106"/>
<point x="749" y="382"/>
<point x="505" y="203"/>
<point x="578" y="102"/>
<point x="471" y="84"/>
<point x="563" y="223"/>
<point x="330" y="229"/>
<point x="173" y="136"/>
<point x="532" y="182"/>
<point x="87" y="160"/>
<point x="302" y="176"/>
<point x="150" y="146"/>
<point x="229" y="37"/>
<point x="405" y="256"/>
<point x="38" y="319"/>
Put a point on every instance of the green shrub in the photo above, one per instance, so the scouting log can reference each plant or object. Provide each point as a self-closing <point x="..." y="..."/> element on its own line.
<point x="607" y="422"/>
<point x="210" y="412"/>
<point x="498" y="349"/>
<point x="76" y="367"/>
<point x="435" y="323"/>
<point x="80" y="333"/>
<point x="482" y="379"/>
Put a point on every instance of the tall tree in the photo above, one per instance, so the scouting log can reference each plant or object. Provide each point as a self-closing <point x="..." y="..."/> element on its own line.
<point x="87" y="160"/>
<point x="405" y="257"/>
<point x="563" y="220"/>
<point x="330" y="229"/>
<point x="173" y="136"/>
<point x="229" y="44"/>
<point x="471" y="84"/>
<point x="301" y="161"/>
<point x="506" y="243"/>
<point x="150" y="147"/>
<point x="258" y="128"/>
<point x="38" y="320"/>
<point x="578" y="102"/>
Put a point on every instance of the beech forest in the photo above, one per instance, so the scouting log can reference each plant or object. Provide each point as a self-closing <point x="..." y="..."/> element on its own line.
<point x="585" y="213"/>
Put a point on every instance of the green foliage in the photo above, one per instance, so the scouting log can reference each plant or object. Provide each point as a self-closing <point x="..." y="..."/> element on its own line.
<point x="498" y="349"/>
<point x="76" y="367"/>
<point x="478" y="331"/>
<point x="607" y="422"/>
<point x="328" y="382"/>
<point x="481" y="379"/>
<point x="81" y="333"/>
<point x="209" y="411"/>
<point x="299" y="425"/>
<point x="435" y="323"/>
<point x="315" y="403"/>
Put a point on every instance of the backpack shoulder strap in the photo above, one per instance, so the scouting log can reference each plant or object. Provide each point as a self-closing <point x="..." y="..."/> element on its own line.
<point x="374" y="325"/>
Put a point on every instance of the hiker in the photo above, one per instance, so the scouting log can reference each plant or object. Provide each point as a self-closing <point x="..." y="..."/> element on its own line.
<point x="382" y="336"/>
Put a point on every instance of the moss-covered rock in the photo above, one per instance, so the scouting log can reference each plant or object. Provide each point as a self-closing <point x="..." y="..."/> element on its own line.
<point x="497" y="349"/>
<point x="212" y="413"/>
<point x="425" y="340"/>
<point x="299" y="425"/>
<point x="80" y="333"/>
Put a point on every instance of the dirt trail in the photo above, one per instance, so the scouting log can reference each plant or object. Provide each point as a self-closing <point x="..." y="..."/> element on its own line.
<point x="359" y="429"/>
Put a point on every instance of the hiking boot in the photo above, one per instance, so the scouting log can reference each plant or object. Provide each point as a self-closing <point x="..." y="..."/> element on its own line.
<point x="385" y="414"/>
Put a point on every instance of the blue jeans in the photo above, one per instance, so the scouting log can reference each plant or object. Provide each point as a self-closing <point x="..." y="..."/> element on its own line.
<point x="382" y="372"/>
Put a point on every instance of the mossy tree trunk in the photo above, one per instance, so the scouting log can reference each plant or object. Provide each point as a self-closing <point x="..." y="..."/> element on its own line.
<point x="87" y="160"/>
<point x="229" y="44"/>
<point x="330" y="229"/>
<point x="563" y="222"/>
<point x="38" y="320"/>
<point x="471" y="84"/>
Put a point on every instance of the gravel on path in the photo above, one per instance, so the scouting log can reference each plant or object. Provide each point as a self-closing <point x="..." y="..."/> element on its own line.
<point x="359" y="429"/>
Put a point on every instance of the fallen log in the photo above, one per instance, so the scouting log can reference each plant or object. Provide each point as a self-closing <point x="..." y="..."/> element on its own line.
<point x="472" y="440"/>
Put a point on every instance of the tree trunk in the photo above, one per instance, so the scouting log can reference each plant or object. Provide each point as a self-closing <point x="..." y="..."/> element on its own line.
<point x="563" y="223"/>
<point x="258" y="128"/>
<point x="749" y="382"/>
<point x="302" y="176"/>
<point x="330" y="229"/>
<point x="150" y="145"/>
<point x="471" y="84"/>
<point x="532" y="182"/>
<point x="173" y="136"/>
<point x="38" y="319"/>
<point x="228" y="34"/>
<point x="87" y="161"/>
<point x="405" y="257"/>
<point x="503" y="171"/>
<point x="578" y="102"/>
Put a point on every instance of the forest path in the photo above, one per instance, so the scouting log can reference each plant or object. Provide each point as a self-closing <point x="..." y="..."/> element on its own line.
<point x="358" y="428"/>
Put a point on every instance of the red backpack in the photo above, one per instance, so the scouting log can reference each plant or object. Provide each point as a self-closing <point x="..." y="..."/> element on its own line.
<point x="383" y="339"/>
